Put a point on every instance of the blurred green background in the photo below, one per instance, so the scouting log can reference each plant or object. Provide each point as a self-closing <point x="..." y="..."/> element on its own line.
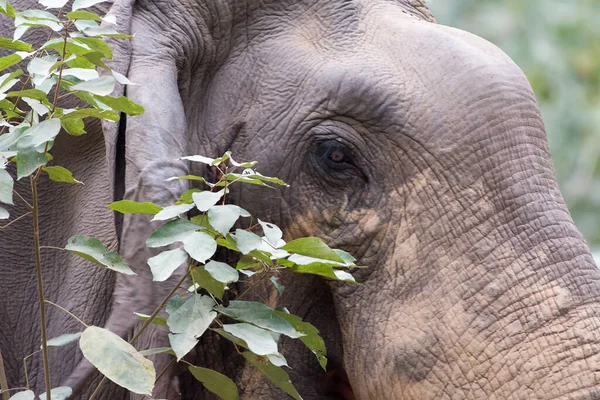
<point x="557" y="44"/>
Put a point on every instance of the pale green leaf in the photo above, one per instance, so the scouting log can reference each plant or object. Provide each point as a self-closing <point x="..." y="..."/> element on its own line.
<point x="222" y="272"/>
<point x="118" y="360"/>
<point x="83" y="74"/>
<point x="277" y="359"/>
<point x="259" y="341"/>
<point x="205" y="200"/>
<point x="53" y="3"/>
<point x="272" y="232"/>
<point x="172" y="212"/>
<point x="215" y="382"/>
<point x="222" y="218"/>
<point x="6" y="187"/>
<point x="199" y="245"/>
<point x="312" y="247"/>
<point x="122" y="79"/>
<point x="26" y="395"/>
<point x="312" y="339"/>
<point x="171" y="232"/>
<point x="344" y="276"/>
<point x="39" y="108"/>
<point x="58" y="393"/>
<point x="77" y="4"/>
<point x="188" y="322"/>
<point x="259" y="314"/>
<point x="275" y="374"/>
<point x="28" y="160"/>
<point x="247" y="241"/>
<point x="4" y="214"/>
<point x="164" y="264"/>
<point x="345" y="256"/>
<point x="93" y="250"/>
<point x="101" y="86"/>
<point x="63" y="339"/>
<point x="60" y="174"/>
<point x="243" y="164"/>
<point x="277" y="284"/>
<point x="134" y="207"/>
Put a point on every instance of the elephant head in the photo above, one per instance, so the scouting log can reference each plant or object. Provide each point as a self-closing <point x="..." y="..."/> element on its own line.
<point x="417" y="147"/>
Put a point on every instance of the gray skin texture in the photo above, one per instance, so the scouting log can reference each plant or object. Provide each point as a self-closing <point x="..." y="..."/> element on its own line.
<point x="479" y="286"/>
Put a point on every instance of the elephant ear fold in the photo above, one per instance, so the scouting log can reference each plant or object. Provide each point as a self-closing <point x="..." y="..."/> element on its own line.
<point x="121" y="12"/>
<point x="149" y="62"/>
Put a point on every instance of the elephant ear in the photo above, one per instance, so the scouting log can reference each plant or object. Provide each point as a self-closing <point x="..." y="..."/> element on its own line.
<point x="142" y="151"/>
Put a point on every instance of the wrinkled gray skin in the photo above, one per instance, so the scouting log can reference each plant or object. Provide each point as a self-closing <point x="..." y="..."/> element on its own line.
<point x="479" y="285"/>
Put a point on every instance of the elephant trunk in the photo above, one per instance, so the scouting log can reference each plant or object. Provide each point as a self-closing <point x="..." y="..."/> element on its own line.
<point x="486" y="290"/>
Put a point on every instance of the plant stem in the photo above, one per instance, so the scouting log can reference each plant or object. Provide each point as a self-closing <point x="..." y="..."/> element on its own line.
<point x="68" y="312"/>
<point x="38" y="264"/>
<point x="3" y="381"/>
<point x="146" y="324"/>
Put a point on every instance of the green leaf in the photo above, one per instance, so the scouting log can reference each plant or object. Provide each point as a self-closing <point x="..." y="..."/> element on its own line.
<point x="172" y="212"/>
<point x="312" y="247"/>
<point x="60" y="174"/>
<point x="222" y="272"/>
<point x="171" y="232"/>
<point x="205" y="280"/>
<point x="133" y="207"/>
<point x="91" y="112"/>
<point x="247" y="262"/>
<point x="157" y="350"/>
<point x="205" y="200"/>
<point x="188" y="322"/>
<point x="9" y="61"/>
<point x="275" y="374"/>
<point x="74" y="15"/>
<point x="58" y="393"/>
<point x="26" y="395"/>
<point x="73" y="126"/>
<point x="247" y="241"/>
<point x="222" y="218"/>
<point x="215" y="382"/>
<point x="156" y="320"/>
<point x="101" y="86"/>
<point x="30" y="93"/>
<point x="118" y="360"/>
<point x="6" y="186"/>
<point x="228" y="242"/>
<point x="312" y="339"/>
<point x="39" y="134"/>
<point x="259" y="314"/>
<point x="63" y="339"/>
<point x="258" y="340"/>
<point x="93" y="250"/>
<point x="164" y="264"/>
<point x="199" y="245"/>
<point x="97" y="45"/>
<point x="186" y="197"/>
<point x="121" y="104"/>
<point x="15" y="45"/>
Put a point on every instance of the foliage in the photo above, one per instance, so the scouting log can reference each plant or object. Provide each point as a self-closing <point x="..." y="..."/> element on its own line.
<point x="31" y="118"/>
<point x="557" y="44"/>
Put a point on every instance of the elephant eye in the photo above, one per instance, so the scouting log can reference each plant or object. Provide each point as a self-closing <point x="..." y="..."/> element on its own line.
<point x="333" y="155"/>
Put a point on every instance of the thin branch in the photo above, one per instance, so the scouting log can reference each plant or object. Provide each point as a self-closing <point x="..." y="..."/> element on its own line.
<point x="25" y="367"/>
<point x="3" y="382"/>
<point x="22" y="199"/>
<point x="165" y="369"/>
<point x="53" y="248"/>
<point x="68" y="312"/>
<point x="15" y="220"/>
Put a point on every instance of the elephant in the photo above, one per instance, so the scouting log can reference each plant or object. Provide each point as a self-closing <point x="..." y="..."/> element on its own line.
<point x="417" y="147"/>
